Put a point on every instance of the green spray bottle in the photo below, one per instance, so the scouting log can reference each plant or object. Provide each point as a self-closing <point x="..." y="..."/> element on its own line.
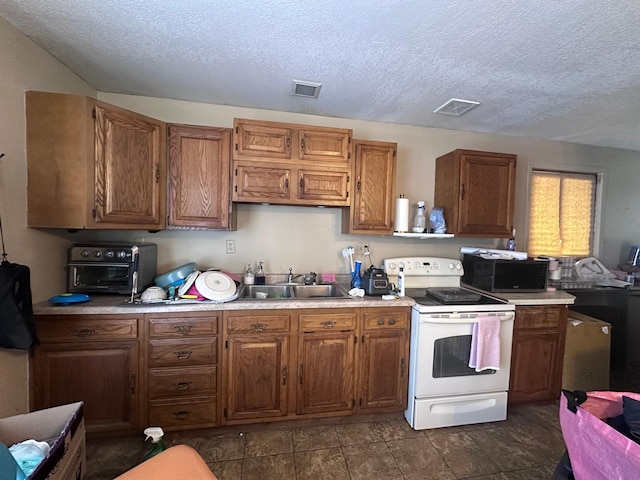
<point x="157" y="444"/>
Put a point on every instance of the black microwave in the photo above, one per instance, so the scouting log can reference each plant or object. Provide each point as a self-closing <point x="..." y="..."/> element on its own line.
<point x="503" y="275"/>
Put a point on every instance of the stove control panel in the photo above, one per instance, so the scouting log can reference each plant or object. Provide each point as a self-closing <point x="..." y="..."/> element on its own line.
<point x="423" y="266"/>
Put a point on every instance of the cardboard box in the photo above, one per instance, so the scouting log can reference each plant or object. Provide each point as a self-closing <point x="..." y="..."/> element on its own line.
<point x="586" y="353"/>
<point x="63" y="428"/>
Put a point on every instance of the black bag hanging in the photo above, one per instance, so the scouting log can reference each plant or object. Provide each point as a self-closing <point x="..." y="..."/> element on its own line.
<point x="17" y="325"/>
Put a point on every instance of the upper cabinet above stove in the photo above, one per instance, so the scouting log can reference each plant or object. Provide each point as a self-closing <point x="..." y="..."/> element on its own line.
<point x="477" y="192"/>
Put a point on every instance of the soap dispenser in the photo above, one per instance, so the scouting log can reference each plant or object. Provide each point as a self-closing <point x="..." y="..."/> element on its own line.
<point x="249" y="278"/>
<point x="260" y="278"/>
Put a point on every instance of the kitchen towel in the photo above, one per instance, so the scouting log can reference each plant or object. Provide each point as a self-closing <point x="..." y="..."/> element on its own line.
<point x="485" y="344"/>
<point x="401" y="224"/>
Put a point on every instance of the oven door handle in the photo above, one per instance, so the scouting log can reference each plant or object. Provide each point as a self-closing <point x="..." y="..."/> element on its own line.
<point x="463" y="318"/>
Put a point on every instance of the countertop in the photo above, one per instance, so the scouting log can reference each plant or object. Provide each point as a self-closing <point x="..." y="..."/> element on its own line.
<point x="117" y="304"/>
<point x="557" y="297"/>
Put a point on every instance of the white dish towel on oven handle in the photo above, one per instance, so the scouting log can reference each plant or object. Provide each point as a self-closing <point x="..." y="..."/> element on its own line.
<point x="485" y="343"/>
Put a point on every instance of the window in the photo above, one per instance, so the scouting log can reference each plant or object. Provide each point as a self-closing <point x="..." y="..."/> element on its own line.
<point x="561" y="213"/>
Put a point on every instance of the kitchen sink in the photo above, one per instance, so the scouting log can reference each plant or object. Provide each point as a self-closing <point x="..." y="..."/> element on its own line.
<point x="294" y="292"/>
<point x="331" y="290"/>
<point x="272" y="292"/>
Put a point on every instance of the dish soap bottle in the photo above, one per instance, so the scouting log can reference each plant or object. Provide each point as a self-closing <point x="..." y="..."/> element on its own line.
<point x="420" y="221"/>
<point x="511" y="243"/>
<point x="401" y="282"/>
<point x="249" y="278"/>
<point x="157" y="444"/>
<point x="260" y="278"/>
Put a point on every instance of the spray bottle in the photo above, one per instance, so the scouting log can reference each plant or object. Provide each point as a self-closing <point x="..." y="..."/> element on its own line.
<point x="157" y="444"/>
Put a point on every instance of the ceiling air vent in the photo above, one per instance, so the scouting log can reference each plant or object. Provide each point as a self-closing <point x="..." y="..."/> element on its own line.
<point x="306" y="89"/>
<point x="456" y="107"/>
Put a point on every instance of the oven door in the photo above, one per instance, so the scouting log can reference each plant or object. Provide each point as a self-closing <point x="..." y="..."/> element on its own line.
<point x="99" y="277"/>
<point x="442" y="344"/>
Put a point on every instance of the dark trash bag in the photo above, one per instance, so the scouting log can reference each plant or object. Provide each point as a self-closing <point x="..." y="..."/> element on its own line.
<point x="17" y="326"/>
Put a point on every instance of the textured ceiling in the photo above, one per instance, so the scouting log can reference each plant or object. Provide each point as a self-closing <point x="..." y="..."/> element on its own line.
<point x="561" y="70"/>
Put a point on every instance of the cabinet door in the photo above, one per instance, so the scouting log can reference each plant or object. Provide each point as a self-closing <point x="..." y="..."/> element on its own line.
<point x="256" y="376"/>
<point x="533" y="365"/>
<point x="261" y="183"/>
<point x="254" y="139"/>
<point x="129" y="180"/>
<point x="323" y="144"/>
<point x="199" y="177"/>
<point x="487" y="193"/>
<point x="537" y="353"/>
<point x="384" y="370"/>
<point x="330" y="187"/>
<point x="371" y="209"/>
<point x="104" y="375"/>
<point x="325" y="372"/>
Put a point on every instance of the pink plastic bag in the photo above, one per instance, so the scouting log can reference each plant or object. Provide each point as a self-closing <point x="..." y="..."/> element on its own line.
<point x="596" y="450"/>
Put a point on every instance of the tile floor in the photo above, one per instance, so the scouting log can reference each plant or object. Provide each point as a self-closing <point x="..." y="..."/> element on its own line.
<point x="526" y="446"/>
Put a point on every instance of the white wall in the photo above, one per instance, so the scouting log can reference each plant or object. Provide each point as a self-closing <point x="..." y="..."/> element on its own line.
<point x="304" y="238"/>
<point x="25" y="67"/>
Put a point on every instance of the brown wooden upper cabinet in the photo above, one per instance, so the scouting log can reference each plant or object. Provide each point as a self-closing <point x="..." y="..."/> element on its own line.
<point x="374" y="176"/>
<point x="199" y="179"/>
<point x="291" y="164"/>
<point x="93" y="165"/>
<point x="477" y="191"/>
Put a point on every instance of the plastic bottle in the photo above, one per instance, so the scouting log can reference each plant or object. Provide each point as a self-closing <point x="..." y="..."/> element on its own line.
<point x="260" y="278"/>
<point x="249" y="278"/>
<point x="401" y="282"/>
<point x="356" y="277"/>
<point x="157" y="444"/>
<point x="511" y="243"/>
<point x="420" y="221"/>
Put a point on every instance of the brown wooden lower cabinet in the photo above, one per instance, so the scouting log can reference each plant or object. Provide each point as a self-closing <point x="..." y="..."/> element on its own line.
<point x="203" y="369"/>
<point x="89" y="358"/>
<point x="537" y="353"/>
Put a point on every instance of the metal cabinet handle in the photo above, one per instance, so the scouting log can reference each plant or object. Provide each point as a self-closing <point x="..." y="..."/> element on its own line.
<point x="301" y="181"/>
<point x="358" y="184"/>
<point x="183" y="329"/>
<point x="183" y="354"/>
<point x="182" y="414"/>
<point x="132" y="383"/>
<point x="380" y="322"/>
<point x="284" y="375"/>
<point x="182" y="385"/>
<point x="288" y="141"/>
<point x="392" y="322"/>
<point x="286" y="183"/>
<point x="300" y="368"/>
<point x="302" y="143"/>
<point x="402" y="366"/>
<point x="462" y="192"/>
<point x="85" y="332"/>
<point x="157" y="173"/>
<point x="258" y="327"/>
<point x="328" y="324"/>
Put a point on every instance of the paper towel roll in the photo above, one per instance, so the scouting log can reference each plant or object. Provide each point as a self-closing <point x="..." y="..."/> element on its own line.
<point x="401" y="223"/>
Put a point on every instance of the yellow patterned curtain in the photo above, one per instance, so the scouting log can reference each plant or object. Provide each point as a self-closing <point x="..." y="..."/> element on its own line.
<point x="561" y="209"/>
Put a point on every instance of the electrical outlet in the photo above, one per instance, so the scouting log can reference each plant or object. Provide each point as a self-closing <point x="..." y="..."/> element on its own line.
<point x="360" y="248"/>
<point x="231" y="246"/>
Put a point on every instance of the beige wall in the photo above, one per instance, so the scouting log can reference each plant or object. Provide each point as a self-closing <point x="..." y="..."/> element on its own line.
<point x="303" y="238"/>
<point x="25" y="67"/>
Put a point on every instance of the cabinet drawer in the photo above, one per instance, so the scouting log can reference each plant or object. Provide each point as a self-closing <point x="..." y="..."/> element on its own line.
<point x="172" y="413"/>
<point x="172" y="382"/>
<point x="322" y="322"/>
<point x="386" y="320"/>
<point x="182" y="353"/>
<point x="259" y="324"/>
<point x="183" y="327"/>
<point x="66" y="329"/>
<point x="539" y="317"/>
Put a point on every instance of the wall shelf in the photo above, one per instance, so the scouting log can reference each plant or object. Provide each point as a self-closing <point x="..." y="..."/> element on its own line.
<point x="423" y="236"/>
